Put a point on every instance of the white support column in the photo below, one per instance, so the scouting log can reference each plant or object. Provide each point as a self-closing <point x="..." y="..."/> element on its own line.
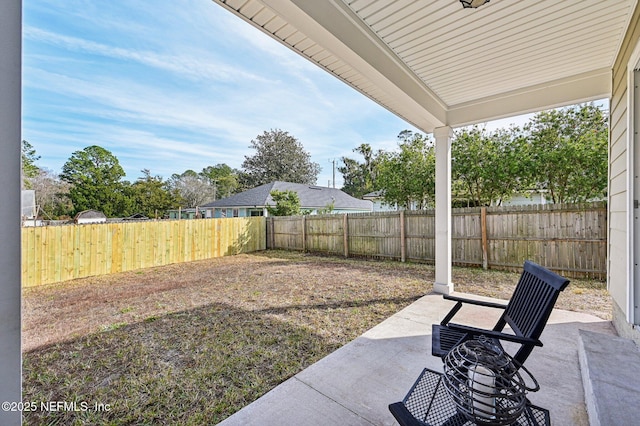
<point x="443" y="136"/>
<point x="10" y="268"/>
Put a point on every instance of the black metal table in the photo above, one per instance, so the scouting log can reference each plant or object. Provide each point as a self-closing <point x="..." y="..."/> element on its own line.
<point x="429" y="404"/>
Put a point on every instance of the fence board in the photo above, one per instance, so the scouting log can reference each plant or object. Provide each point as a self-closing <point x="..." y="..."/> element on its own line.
<point x="420" y="233"/>
<point x="59" y="253"/>
<point x="570" y="239"/>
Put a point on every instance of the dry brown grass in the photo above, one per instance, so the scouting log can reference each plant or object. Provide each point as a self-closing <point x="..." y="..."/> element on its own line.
<point x="272" y="282"/>
<point x="194" y="342"/>
<point x="265" y="281"/>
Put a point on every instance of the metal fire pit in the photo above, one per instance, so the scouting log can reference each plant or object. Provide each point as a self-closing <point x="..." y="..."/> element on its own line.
<point x="485" y="383"/>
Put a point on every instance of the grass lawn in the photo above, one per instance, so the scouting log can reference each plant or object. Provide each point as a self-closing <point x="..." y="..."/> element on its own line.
<point x="193" y="343"/>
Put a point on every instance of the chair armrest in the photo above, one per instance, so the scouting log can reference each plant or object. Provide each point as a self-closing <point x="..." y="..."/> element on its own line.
<point x="475" y="302"/>
<point x="461" y="300"/>
<point x="495" y="334"/>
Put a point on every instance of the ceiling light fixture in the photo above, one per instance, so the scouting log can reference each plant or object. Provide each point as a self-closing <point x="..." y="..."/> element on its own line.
<point x="473" y="3"/>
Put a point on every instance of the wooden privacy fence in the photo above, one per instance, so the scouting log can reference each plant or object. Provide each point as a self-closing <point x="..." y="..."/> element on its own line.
<point x="568" y="238"/>
<point x="58" y="253"/>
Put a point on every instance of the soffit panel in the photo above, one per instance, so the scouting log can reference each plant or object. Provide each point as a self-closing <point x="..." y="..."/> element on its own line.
<point x="463" y="54"/>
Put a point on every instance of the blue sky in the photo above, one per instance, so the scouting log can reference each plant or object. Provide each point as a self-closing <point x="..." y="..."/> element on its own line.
<point x="171" y="85"/>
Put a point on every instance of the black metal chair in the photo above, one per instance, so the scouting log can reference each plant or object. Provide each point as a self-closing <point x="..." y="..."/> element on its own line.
<point x="526" y="314"/>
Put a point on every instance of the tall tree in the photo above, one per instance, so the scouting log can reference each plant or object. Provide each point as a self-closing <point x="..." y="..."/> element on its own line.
<point x="52" y="195"/>
<point x="568" y="151"/>
<point x="152" y="196"/>
<point x="29" y="168"/>
<point x="222" y="178"/>
<point x="488" y="167"/>
<point x="192" y="188"/>
<point x="94" y="174"/>
<point x="407" y="176"/>
<point x="279" y="156"/>
<point x="359" y="178"/>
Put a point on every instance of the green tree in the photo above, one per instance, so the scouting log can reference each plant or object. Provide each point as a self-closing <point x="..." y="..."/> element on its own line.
<point x="407" y="177"/>
<point x="152" y="196"/>
<point x="29" y="168"/>
<point x="568" y="151"/>
<point x="222" y="178"/>
<point x="359" y="178"/>
<point x="287" y="203"/>
<point x="278" y="157"/>
<point x="488" y="167"/>
<point x="94" y="174"/>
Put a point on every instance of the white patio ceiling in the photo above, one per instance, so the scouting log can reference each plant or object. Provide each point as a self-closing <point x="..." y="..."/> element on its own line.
<point x="436" y="64"/>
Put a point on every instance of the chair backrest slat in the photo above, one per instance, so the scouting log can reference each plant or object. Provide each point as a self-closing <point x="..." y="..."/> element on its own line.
<point x="532" y="302"/>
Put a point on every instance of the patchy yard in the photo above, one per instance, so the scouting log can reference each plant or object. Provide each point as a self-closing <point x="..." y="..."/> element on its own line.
<point x="193" y="343"/>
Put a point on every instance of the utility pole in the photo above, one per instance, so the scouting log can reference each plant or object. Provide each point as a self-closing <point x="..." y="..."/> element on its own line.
<point x="333" y="161"/>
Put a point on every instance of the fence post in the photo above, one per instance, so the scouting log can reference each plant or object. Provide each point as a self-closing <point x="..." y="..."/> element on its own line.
<point x="304" y="234"/>
<point x="269" y="233"/>
<point x="345" y="228"/>
<point x="403" y="242"/>
<point x="485" y="246"/>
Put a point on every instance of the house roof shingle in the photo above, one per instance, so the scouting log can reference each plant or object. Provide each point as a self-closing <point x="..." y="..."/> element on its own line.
<point x="311" y="196"/>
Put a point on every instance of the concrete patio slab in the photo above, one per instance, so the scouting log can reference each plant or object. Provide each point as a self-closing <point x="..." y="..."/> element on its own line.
<point x="355" y="384"/>
<point x="610" y="367"/>
<point x="295" y="403"/>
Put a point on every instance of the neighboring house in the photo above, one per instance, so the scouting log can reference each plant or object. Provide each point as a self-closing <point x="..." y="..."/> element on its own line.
<point x="29" y="208"/>
<point x="537" y="196"/>
<point x="533" y="196"/>
<point x="523" y="198"/>
<point x="314" y="198"/>
<point x="90" y="216"/>
<point x="379" y="205"/>
<point x="189" y="213"/>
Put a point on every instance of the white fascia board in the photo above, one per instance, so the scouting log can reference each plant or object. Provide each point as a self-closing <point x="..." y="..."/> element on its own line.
<point x="586" y="87"/>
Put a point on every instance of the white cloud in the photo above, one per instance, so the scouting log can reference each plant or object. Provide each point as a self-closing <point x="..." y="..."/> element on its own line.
<point x="197" y="68"/>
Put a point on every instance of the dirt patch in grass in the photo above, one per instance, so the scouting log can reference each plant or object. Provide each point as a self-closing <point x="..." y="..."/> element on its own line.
<point x="192" y="343"/>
